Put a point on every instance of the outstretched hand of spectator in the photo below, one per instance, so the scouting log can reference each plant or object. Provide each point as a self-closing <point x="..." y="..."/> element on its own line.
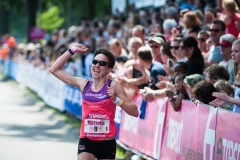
<point x="162" y="84"/>
<point x="221" y="99"/>
<point x="123" y="80"/>
<point x="221" y="95"/>
<point x="112" y="76"/>
<point x="218" y="102"/>
<point x="163" y="78"/>
<point x="147" y="94"/>
<point x="169" y="93"/>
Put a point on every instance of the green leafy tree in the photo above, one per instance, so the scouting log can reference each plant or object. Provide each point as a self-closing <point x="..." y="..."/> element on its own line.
<point x="50" y="19"/>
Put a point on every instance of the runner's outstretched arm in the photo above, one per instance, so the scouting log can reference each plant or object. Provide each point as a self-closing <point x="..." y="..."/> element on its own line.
<point x="56" y="69"/>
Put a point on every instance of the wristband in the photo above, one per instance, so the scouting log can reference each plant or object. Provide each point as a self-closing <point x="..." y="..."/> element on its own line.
<point x="121" y="103"/>
<point x="118" y="101"/>
<point x="72" y="50"/>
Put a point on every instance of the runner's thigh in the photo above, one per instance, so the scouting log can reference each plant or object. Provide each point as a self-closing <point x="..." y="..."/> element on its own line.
<point x="86" y="156"/>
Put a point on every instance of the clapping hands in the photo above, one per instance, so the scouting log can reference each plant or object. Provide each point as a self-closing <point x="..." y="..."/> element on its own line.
<point x="221" y="99"/>
<point x="147" y="93"/>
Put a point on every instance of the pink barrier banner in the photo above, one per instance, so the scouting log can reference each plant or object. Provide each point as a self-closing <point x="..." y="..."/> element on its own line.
<point x="144" y="135"/>
<point x="227" y="143"/>
<point x="189" y="133"/>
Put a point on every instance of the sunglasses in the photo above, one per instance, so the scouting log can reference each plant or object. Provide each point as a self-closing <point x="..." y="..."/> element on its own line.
<point x="154" y="46"/>
<point x="174" y="47"/>
<point x="182" y="47"/>
<point x="201" y="39"/>
<point x="214" y="30"/>
<point x="101" y="63"/>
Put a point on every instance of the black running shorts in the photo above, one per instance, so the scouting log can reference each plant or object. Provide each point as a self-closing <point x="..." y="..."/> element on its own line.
<point x="100" y="149"/>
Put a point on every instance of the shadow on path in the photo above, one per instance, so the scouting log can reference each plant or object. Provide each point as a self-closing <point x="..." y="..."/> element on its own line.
<point x="22" y="107"/>
<point x="41" y="132"/>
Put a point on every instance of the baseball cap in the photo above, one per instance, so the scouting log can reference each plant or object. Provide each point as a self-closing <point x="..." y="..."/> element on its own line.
<point x="193" y="79"/>
<point x="227" y="40"/>
<point x="158" y="40"/>
<point x="185" y="6"/>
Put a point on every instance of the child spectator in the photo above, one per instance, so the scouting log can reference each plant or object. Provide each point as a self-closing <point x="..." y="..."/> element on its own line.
<point x="180" y="94"/>
<point x="179" y="68"/>
<point x="149" y="94"/>
<point x="203" y="91"/>
<point x="215" y="72"/>
<point x="190" y="81"/>
<point x="225" y="86"/>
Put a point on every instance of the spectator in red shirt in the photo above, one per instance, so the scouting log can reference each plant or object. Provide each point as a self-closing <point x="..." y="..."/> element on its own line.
<point x="230" y="16"/>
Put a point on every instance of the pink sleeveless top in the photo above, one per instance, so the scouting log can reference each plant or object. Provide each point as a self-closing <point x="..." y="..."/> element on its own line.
<point x="98" y="112"/>
<point x="231" y="28"/>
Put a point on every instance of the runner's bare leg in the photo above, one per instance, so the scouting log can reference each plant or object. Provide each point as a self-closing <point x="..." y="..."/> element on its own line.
<point x="86" y="156"/>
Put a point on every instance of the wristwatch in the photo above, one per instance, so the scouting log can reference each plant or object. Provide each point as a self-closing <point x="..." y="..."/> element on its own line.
<point x="72" y="50"/>
<point x="172" y="99"/>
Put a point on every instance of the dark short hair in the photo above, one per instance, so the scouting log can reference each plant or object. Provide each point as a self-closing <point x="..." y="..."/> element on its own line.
<point x="183" y="65"/>
<point x="145" y="54"/>
<point x="203" y="91"/>
<point x="166" y="49"/>
<point x="217" y="21"/>
<point x="110" y="56"/>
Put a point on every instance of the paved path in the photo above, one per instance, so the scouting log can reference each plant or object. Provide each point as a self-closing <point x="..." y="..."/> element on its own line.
<point x="29" y="131"/>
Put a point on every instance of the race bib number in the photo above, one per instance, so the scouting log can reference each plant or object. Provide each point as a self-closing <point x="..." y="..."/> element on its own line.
<point x="96" y="126"/>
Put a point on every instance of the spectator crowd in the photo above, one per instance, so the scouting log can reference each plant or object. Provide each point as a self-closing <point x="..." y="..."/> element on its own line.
<point x="184" y="50"/>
